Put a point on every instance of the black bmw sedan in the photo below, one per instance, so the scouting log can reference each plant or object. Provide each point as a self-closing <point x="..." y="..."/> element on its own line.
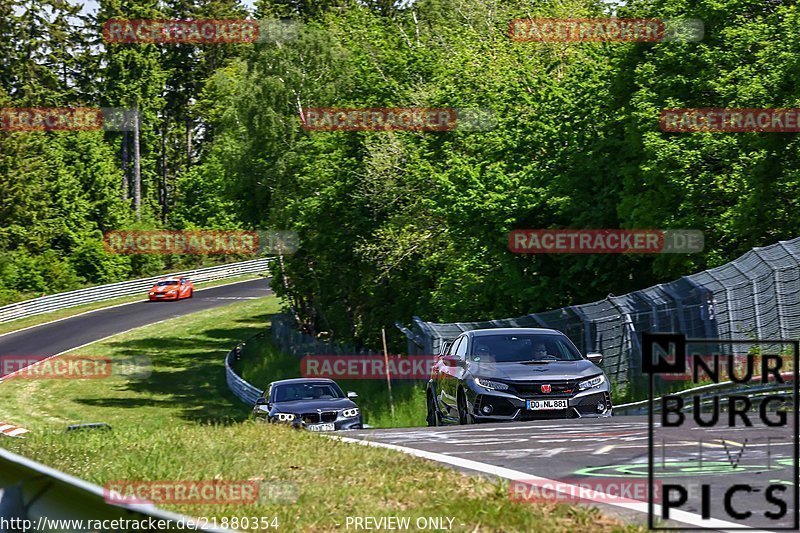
<point x="314" y="404"/>
<point x="515" y="374"/>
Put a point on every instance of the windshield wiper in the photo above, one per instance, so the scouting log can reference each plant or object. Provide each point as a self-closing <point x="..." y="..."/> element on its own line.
<point x="537" y="361"/>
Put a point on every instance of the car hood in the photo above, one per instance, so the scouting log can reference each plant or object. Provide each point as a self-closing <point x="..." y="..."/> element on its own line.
<point x="538" y="371"/>
<point x="165" y="288"/>
<point x="310" y="406"/>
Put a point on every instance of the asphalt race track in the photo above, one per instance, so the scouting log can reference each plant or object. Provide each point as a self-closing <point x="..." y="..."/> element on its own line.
<point x="70" y="333"/>
<point x="612" y="453"/>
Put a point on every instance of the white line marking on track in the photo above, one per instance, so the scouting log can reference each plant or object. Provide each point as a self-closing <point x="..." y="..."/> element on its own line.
<point x="604" y="449"/>
<point x="685" y="517"/>
<point x="234" y="298"/>
<point x="624" y="426"/>
<point x="537" y="452"/>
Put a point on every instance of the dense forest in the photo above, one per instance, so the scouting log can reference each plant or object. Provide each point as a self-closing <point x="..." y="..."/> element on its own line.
<point x="396" y="223"/>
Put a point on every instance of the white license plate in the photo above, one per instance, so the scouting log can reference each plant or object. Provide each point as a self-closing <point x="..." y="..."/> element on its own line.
<point x="547" y="405"/>
<point x="320" y="427"/>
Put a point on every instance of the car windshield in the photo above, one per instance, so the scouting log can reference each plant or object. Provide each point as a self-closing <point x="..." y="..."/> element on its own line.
<point x="291" y="392"/>
<point x="512" y="348"/>
<point x="165" y="283"/>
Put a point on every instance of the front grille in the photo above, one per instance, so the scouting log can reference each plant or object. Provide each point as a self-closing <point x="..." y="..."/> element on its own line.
<point x="532" y="389"/>
<point x="316" y="418"/>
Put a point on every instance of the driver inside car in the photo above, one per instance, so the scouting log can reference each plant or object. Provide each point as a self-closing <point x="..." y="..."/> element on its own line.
<point x="539" y="351"/>
<point x="481" y="353"/>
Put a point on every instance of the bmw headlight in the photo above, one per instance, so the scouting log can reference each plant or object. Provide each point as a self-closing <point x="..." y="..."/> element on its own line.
<point x="592" y="382"/>
<point x="350" y="413"/>
<point x="284" y="417"/>
<point x="489" y="384"/>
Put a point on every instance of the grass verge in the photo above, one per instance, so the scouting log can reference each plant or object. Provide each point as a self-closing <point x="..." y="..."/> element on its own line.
<point x="331" y="480"/>
<point x="181" y="423"/>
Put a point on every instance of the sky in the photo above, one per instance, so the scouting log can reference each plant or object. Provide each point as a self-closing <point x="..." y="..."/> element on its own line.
<point x="90" y="6"/>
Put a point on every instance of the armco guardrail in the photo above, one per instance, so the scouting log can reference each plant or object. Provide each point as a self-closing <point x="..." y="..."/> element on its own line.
<point x="30" y="491"/>
<point x="65" y="300"/>
<point x="238" y="386"/>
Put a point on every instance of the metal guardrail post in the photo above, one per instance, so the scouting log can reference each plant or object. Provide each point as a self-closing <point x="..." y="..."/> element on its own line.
<point x="240" y="388"/>
<point x="52" y="495"/>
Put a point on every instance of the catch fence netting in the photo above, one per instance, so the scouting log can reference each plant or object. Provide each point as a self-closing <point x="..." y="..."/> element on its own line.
<point x="756" y="296"/>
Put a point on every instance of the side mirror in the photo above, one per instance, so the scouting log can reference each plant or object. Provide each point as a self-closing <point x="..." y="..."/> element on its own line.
<point x="352" y="395"/>
<point x="261" y="401"/>
<point x="595" y="358"/>
<point x="451" y="361"/>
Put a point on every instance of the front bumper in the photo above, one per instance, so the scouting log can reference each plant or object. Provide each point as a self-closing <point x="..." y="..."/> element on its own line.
<point x="340" y="424"/>
<point x="160" y="297"/>
<point x="508" y="407"/>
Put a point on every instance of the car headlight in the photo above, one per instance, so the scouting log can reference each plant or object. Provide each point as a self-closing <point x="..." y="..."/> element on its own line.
<point x="489" y="384"/>
<point x="171" y="292"/>
<point x="592" y="382"/>
<point x="151" y="293"/>
<point x="350" y="413"/>
<point x="284" y="417"/>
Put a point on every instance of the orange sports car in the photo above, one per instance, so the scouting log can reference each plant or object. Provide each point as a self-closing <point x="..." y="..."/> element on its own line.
<point x="172" y="289"/>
